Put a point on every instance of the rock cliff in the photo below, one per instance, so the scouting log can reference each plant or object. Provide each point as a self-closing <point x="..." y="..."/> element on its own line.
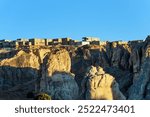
<point x="111" y="71"/>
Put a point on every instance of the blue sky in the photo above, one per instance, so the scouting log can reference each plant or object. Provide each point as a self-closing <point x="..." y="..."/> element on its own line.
<point x="106" y="19"/>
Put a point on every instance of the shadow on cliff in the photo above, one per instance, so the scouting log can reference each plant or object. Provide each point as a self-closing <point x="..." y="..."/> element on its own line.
<point x="62" y="86"/>
<point x="118" y="66"/>
<point x="8" y="55"/>
<point x="16" y="82"/>
<point x="113" y="62"/>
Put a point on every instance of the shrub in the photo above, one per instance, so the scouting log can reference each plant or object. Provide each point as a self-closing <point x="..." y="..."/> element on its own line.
<point x="42" y="96"/>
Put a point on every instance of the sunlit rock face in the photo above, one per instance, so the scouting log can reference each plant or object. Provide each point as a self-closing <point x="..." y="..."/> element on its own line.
<point x="20" y="68"/>
<point x="17" y="72"/>
<point x="98" y="85"/>
<point x="58" y="60"/>
<point x="22" y="59"/>
<point x="55" y="61"/>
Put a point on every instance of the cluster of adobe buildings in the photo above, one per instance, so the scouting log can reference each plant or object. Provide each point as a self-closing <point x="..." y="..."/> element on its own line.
<point x="22" y="42"/>
<point x="49" y="42"/>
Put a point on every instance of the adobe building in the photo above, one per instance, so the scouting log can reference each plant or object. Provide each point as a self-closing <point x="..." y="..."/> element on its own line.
<point x="20" y="43"/>
<point x="28" y="43"/>
<point x="57" y="41"/>
<point x="73" y="42"/>
<point x="81" y="43"/>
<point x="65" y="41"/>
<point x="37" y="42"/>
<point x="22" y="40"/>
<point x="5" y="43"/>
<point x="48" y="42"/>
<point x="95" y="42"/>
<point x="14" y="44"/>
<point x="90" y="39"/>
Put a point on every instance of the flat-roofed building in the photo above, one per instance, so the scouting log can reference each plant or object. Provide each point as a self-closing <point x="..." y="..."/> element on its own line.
<point x="27" y="43"/>
<point x="5" y="43"/>
<point x="37" y="42"/>
<point x="73" y="42"/>
<point x="90" y="39"/>
<point x="65" y="41"/>
<point x="21" y="43"/>
<point x="22" y="40"/>
<point x="83" y="43"/>
<point x="5" y="40"/>
<point x="14" y="44"/>
<point x="1" y="41"/>
<point x="48" y="42"/>
<point x="57" y="41"/>
<point x="95" y="42"/>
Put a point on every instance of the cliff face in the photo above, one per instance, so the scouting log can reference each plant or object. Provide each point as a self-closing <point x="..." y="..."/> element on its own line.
<point x="141" y="80"/>
<point x="113" y="71"/>
<point x="63" y="86"/>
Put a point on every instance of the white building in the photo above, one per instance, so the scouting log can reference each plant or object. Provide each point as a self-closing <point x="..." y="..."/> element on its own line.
<point x="83" y="43"/>
<point x="90" y="39"/>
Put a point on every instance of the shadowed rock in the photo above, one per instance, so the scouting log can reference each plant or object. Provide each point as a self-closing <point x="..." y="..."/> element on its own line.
<point x="62" y="86"/>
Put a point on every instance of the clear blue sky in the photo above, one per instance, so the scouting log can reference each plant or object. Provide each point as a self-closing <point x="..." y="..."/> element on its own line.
<point x="107" y="19"/>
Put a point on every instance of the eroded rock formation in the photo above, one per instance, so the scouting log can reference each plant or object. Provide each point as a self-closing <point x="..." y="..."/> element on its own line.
<point x="120" y="71"/>
<point x="99" y="85"/>
<point x="62" y="86"/>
